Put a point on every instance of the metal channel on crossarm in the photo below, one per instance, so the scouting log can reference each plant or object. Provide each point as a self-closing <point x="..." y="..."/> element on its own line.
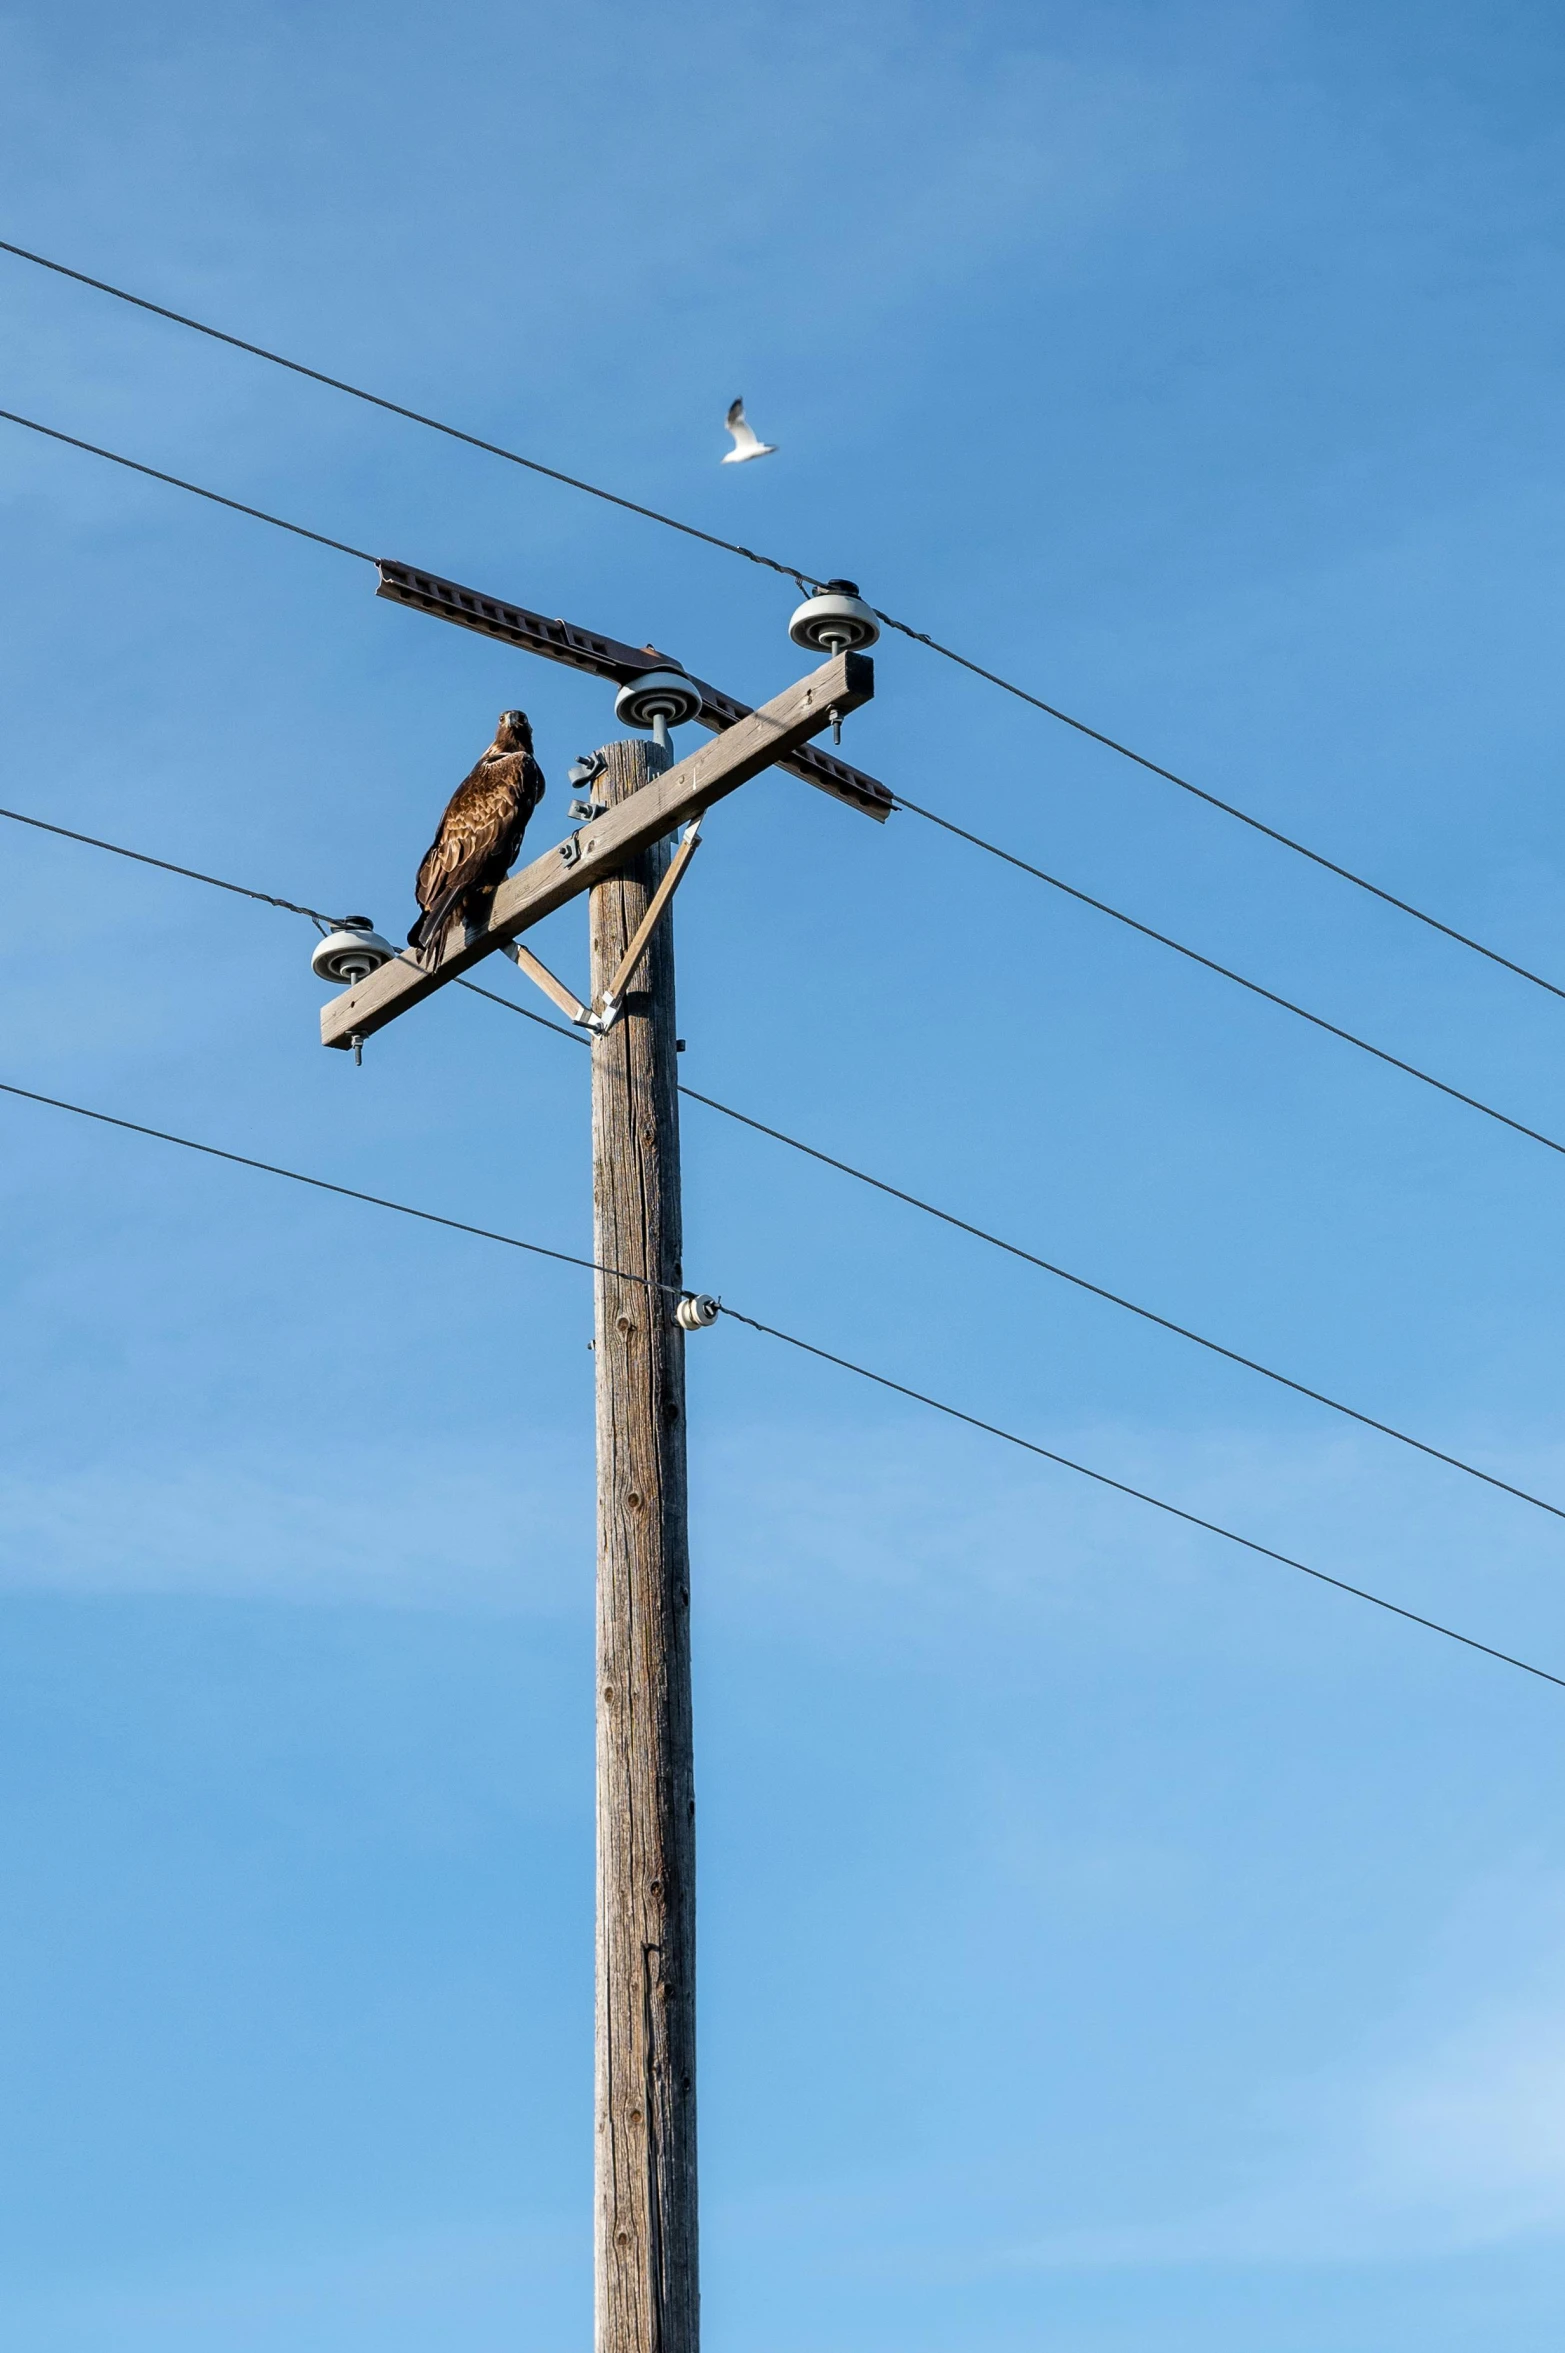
<point x="610" y="658"/>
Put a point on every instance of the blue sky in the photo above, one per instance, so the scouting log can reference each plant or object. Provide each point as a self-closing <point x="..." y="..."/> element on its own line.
<point x="1108" y="1940"/>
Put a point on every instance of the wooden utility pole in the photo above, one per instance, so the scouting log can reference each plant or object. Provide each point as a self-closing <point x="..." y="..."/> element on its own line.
<point x="646" y="2281"/>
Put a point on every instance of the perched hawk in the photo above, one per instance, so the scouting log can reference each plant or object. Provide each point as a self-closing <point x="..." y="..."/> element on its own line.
<point x="479" y="834"/>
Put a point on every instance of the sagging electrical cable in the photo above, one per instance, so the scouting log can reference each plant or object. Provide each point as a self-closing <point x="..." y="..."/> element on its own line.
<point x="1255" y="988"/>
<point x="806" y="1347"/>
<point x="178" y="482"/>
<point x="456" y="1225"/>
<point x="395" y="408"/>
<point x="1138" y="1494"/>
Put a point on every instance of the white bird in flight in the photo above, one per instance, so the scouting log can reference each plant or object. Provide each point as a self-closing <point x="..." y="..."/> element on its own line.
<point x="745" y="443"/>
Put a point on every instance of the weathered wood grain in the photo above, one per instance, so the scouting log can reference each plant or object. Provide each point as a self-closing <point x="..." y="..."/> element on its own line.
<point x="645" y="2247"/>
<point x="604" y="846"/>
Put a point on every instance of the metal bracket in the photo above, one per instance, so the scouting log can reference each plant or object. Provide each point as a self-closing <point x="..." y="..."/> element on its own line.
<point x="604" y="1015"/>
<point x="584" y="769"/>
<point x="537" y="970"/>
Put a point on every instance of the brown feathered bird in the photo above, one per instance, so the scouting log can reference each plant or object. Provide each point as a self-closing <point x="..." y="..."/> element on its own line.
<point x="479" y="835"/>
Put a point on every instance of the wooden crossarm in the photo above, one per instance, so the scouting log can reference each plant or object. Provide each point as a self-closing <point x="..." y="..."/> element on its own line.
<point x="604" y="844"/>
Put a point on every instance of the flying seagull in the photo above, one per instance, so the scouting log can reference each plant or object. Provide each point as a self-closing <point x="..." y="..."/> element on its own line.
<point x="478" y="837"/>
<point x="745" y="442"/>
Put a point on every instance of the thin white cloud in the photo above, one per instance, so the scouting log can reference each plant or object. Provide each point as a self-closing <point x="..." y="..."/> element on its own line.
<point x="829" y="1526"/>
<point x="1446" y="2134"/>
<point x="429" y="2283"/>
<point x="375" y="1527"/>
<point x="841" y="1529"/>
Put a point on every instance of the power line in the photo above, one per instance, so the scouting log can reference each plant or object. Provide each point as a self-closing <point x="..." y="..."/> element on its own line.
<point x="1287" y="842"/>
<point x="494" y="449"/>
<point x="243" y="890"/>
<point x="805" y="580"/>
<point x="791" y="1340"/>
<point x="179" y="483"/>
<point x="557" y="1029"/>
<point x="1114" y="1299"/>
<point x="1226" y="972"/>
<point x="191" y="873"/>
<point x="296" y="1176"/>
<point x="883" y="1185"/>
<point x="1047" y="1266"/>
<point x="1140" y="1494"/>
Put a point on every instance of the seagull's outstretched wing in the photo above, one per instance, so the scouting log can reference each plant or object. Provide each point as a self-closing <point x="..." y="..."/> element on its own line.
<point x="746" y="443"/>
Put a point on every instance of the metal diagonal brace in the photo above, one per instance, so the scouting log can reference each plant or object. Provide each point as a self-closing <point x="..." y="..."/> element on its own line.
<point x="556" y="990"/>
<point x="603" y="1016"/>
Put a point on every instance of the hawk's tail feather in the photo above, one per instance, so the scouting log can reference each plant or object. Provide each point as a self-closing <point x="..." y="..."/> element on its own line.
<point x="429" y="931"/>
